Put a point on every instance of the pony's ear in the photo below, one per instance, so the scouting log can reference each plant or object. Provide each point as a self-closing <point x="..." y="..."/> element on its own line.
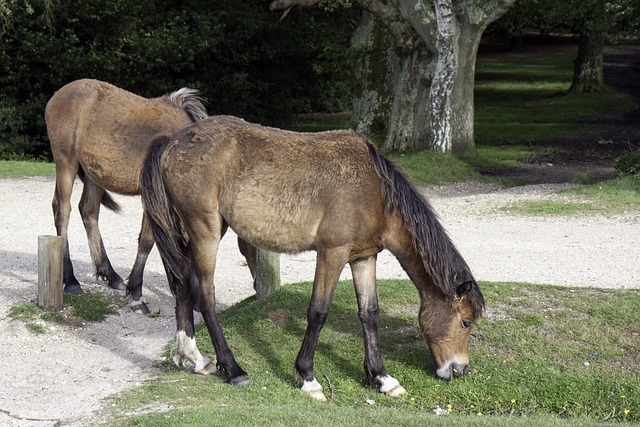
<point x="463" y="290"/>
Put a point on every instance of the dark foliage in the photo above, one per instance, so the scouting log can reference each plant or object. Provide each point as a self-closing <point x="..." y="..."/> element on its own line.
<point x="629" y="164"/>
<point x="239" y="55"/>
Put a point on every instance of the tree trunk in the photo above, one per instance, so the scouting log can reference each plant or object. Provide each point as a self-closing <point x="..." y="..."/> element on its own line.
<point x="391" y="93"/>
<point x="444" y="77"/>
<point x="462" y="95"/>
<point x="402" y="91"/>
<point x="372" y="71"/>
<point x="468" y="21"/>
<point x="587" y="67"/>
<point x="473" y="19"/>
<point x="409" y="124"/>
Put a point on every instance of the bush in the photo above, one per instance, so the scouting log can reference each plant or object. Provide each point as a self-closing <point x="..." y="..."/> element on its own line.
<point x="242" y="58"/>
<point x="629" y="164"/>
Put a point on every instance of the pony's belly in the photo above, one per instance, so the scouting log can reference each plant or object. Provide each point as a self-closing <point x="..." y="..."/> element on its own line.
<point x="282" y="238"/>
<point x="113" y="174"/>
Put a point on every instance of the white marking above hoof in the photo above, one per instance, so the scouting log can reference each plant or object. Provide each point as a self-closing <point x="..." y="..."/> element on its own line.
<point x="206" y="367"/>
<point x="390" y="386"/>
<point x="314" y="390"/>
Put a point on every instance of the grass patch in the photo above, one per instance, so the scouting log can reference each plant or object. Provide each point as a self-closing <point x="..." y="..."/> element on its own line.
<point x="89" y="307"/>
<point x="608" y="197"/>
<point x="552" y="207"/>
<point x="19" y="169"/>
<point x="615" y="195"/>
<point x="431" y="168"/>
<point x="92" y="306"/>
<point x="30" y="315"/>
<point x="320" y="122"/>
<point x="521" y="100"/>
<point x="542" y="355"/>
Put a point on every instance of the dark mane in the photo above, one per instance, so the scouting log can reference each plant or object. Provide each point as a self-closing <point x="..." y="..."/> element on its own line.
<point x="189" y="101"/>
<point x="440" y="257"/>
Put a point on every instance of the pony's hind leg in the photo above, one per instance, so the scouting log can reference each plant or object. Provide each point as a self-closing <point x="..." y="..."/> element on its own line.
<point x="89" y="211"/>
<point x="61" y="205"/>
<point x="205" y="233"/>
<point x="134" y="282"/>
<point x="364" y="279"/>
<point x="187" y="354"/>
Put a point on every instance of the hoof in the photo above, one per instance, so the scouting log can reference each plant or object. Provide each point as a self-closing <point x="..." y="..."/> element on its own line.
<point x="118" y="284"/>
<point x="390" y="386"/>
<point x="396" y="391"/>
<point x="314" y="390"/>
<point x="317" y="395"/>
<point x="73" y="289"/>
<point x="241" y="381"/>
<point x="139" y="307"/>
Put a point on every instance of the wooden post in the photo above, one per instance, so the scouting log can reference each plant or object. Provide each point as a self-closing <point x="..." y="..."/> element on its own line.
<point x="267" y="273"/>
<point x="50" y="250"/>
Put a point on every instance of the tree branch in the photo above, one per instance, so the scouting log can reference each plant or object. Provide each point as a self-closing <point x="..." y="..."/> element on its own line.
<point x="404" y="36"/>
<point x="287" y="5"/>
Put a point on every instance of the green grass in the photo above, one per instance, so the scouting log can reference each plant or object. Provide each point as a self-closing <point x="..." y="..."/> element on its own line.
<point x="431" y="168"/>
<point x="522" y="100"/>
<point x="89" y="306"/>
<point x="30" y="315"/>
<point x="614" y="196"/>
<point x="19" y="169"/>
<point x="92" y="306"/>
<point x="320" y="122"/>
<point x="542" y="355"/>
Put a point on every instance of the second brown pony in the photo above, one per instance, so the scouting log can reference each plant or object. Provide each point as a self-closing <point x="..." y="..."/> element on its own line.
<point x="102" y="133"/>
<point x="331" y="192"/>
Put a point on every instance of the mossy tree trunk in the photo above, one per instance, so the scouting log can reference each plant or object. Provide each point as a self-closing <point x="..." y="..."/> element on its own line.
<point x="588" y="65"/>
<point x="390" y="100"/>
<point x="415" y="85"/>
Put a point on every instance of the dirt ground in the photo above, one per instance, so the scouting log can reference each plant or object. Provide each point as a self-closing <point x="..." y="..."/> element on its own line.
<point x="63" y="376"/>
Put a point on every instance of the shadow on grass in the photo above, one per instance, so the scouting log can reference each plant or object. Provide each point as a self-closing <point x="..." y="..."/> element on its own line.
<point x="274" y="329"/>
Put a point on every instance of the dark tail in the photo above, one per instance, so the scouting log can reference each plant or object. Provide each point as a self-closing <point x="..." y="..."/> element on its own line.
<point x="165" y="223"/>
<point x="107" y="201"/>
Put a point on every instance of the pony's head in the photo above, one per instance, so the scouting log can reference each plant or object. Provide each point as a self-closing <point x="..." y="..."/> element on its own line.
<point x="446" y="325"/>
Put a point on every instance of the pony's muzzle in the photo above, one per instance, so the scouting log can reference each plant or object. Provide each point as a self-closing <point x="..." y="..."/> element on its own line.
<point x="452" y="370"/>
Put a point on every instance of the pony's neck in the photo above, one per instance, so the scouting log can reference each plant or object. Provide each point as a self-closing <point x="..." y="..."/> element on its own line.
<point x="400" y="244"/>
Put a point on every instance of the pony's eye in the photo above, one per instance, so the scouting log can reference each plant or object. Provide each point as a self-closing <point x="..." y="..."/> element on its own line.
<point x="465" y="324"/>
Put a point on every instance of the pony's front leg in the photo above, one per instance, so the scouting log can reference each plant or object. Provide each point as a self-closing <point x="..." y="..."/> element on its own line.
<point x="328" y="267"/>
<point x="134" y="282"/>
<point x="249" y="252"/>
<point x="364" y="279"/>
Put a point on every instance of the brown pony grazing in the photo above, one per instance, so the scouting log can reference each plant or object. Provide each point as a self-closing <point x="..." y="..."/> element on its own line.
<point x="102" y="133"/>
<point x="331" y="192"/>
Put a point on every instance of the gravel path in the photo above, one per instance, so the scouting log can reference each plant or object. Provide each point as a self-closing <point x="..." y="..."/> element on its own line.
<point x="61" y="377"/>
